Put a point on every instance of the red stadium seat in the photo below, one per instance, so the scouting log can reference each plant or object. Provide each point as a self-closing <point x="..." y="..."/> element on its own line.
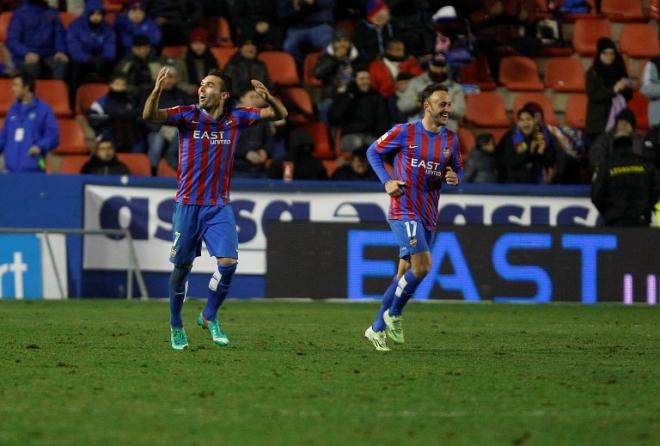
<point x="56" y="94"/>
<point x="466" y="141"/>
<point x="298" y="103"/>
<point x="86" y="94"/>
<point x="539" y="98"/>
<point x="176" y="52"/>
<point x="639" y="104"/>
<point x="137" y="163"/>
<point x="519" y="73"/>
<point x="623" y="10"/>
<point x="281" y="67"/>
<point x="5" y="17"/>
<point x="478" y="73"/>
<point x="224" y="33"/>
<point x="308" y="69"/>
<point x="565" y="74"/>
<point x="586" y="33"/>
<point x="486" y="110"/>
<point x="165" y="170"/>
<point x="330" y="166"/>
<point x="321" y="137"/>
<point x="66" y="18"/>
<point x="72" y="138"/>
<point x="576" y="110"/>
<point x="69" y="164"/>
<point x="6" y="96"/>
<point x="223" y="54"/>
<point x="639" y="40"/>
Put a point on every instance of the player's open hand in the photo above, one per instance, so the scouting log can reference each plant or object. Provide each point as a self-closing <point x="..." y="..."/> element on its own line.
<point x="394" y="188"/>
<point x="450" y="176"/>
<point x="261" y="89"/>
<point x="160" y="79"/>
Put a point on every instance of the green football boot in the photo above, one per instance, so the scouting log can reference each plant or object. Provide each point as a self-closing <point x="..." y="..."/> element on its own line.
<point x="394" y="327"/>
<point x="219" y="336"/>
<point x="377" y="338"/>
<point x="178" y="338"/>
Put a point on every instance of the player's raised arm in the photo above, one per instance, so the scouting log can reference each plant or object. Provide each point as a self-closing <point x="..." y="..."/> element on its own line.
<point x="275" y="110"/>
<point x="151" y="111"/>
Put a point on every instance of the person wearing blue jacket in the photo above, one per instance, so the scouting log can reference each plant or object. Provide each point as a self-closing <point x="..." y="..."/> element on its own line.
<point x="30" y="129"/>
<point x="135" y="22"/>
<point x="37" y="40"/>
<point x="92" y="46"/>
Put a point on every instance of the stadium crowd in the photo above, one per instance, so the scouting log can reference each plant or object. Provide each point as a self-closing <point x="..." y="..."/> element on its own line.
<point x="347" y="71"/>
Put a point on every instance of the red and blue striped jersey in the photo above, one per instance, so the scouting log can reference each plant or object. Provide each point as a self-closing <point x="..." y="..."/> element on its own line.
<point x="206" y="151"/>
<point x="420" y="159"/>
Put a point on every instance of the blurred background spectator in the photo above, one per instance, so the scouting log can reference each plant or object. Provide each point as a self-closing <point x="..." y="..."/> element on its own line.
<point x="199" y="61"/>
<point x="254" y="147"/>
<point x="103" y="160"/>
<point x="371" y="35"/>
<point x="245" y="66"/>
<point x="481" y="167"/>
<point x="132" y="22"/>
<point x="257" y="21"/>
<point x="140" y="67"/>
<point x="651" y="89"/>
<point x="360" y="112"/>
<point x="30" y="130"/>
<point x="37" y="40"/>
<point x="358" y="169"/>
<point x="176" y="19"/>
<point x="310" y="25"/>
<point x="608" y="88"/>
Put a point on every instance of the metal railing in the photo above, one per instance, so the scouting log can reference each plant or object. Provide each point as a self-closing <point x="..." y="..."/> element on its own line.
<point x="133" y="266"/>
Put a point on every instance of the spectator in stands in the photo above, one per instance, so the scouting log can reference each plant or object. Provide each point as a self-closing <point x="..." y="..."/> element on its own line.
<point x="412" y="22"/>
<point x="608" y="86"/>
<point x="527" y="152"/>
<point x="651" y="89"/>
<point x="335" y="70"/>
<point x="162" y="137"/>
<point x="244" y="66"/>
<point x="436" y="72"/>
<point x="358" y="169"/>
<point x="198" y="62"/>
<point x="481" y="166"/>
<point x="360" y="112"/>
<point x="498" y="24"/>
<point x="92" y="46"/>
<point x="30" y="129"/>
<point x="257" y="20"/>
<point x="140" y="67"/>
<point x="626" y="187"/>
<point x="176" y="19"/>
<point x="37" y="40"/>
<point x="104" y="160"/>
<point x="603" y="148"/>
<point x="117" y="114"/>
<point x="255" y="144"/>
<point x="371" y="35"/>
<point x="310" y="24"/>
<point x="301" y="152"/>
<point x="385" y="69"/>
<point x="133" y="22"/>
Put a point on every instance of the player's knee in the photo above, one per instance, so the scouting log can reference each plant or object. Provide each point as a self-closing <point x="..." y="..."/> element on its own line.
<point x="420" y="271"/>
<point x="223" y="276"/>
<point x="179" y="276"/>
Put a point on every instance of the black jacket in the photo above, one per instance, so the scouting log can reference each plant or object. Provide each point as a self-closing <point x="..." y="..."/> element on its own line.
<point x="97" y="167"/>
<point x="625" y="189"/>
<point x="600" y="95"/>
<point x="242" y="70"/>
<point x="358" y="112"/>
<point x="523" y="166"/>
<point x="371" y="41"/>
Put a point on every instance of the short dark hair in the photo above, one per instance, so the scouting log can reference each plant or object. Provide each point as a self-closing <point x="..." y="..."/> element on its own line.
<point x="429" y="90"/>
<point x="27" y="79"/>
<point x="226" y="80"/>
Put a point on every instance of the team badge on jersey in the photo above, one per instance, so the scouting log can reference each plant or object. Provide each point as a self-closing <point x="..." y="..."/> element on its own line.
<point x="413" y="241"/>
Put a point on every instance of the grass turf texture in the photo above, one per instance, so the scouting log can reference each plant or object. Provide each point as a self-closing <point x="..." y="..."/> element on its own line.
<point x="103" y="372"/>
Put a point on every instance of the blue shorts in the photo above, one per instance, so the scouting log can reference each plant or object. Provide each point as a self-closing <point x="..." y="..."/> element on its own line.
<point x="412" y="237"/>
<point x="214" y="224"/>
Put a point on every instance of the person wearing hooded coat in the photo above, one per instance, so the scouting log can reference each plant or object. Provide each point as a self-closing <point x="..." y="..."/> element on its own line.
<point x="606" y="78"/>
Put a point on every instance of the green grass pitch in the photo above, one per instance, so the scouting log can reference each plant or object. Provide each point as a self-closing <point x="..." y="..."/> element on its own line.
<point x="99" y="372"/>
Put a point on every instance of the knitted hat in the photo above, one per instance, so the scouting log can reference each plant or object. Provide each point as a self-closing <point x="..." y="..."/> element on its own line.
<point x="199" y="35"/>
<point x="374" y="7"/>
<point x="627" y="115"/>
<point x="605" y="43"/>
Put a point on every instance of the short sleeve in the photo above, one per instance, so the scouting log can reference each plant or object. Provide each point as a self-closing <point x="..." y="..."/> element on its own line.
<point x="177" y="115"/>
<point x="246" y="116"/>
<point x="389" y="141"/>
